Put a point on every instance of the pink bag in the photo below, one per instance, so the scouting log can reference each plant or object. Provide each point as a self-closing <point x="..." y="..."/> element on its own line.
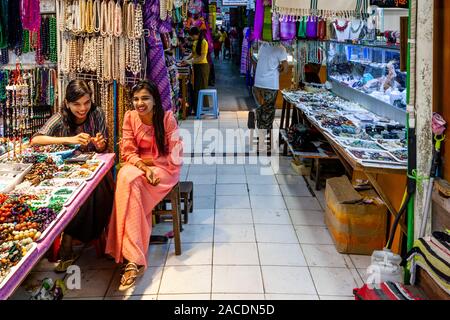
<point x="288" y="28"/>
<point x="311" y="28"/>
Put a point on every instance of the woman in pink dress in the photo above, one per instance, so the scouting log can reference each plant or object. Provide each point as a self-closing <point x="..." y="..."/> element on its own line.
<point x="151" y="150"/>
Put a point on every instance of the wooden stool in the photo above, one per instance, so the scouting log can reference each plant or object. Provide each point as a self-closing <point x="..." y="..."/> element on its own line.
<point x="187" y="197"/>
<point x="175" y="211"/>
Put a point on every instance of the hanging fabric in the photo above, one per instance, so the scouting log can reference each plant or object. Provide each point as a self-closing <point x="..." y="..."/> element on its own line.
<point x="30" y="14"/>
<point x="267" y="26"/>
<point x="311" y="28"/>
<point x="259" y="20"/>
<point x="321" y="29"/>
<point x="157" y="70"/>
<point x="294" y="7"/>
<point x="275" y="26"/>
<point x="302" y="28"/>
<point x="288" y="28"/>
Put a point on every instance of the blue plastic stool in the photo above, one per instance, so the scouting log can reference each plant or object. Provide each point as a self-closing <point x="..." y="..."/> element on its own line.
<point x="205" y="93"/>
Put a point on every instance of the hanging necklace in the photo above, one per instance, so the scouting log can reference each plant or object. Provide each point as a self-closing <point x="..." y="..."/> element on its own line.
<point x="357" y="29"/>
<point x="340" y="28"/>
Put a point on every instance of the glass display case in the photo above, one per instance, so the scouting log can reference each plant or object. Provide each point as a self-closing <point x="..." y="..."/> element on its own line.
<point x="369" y="74"/>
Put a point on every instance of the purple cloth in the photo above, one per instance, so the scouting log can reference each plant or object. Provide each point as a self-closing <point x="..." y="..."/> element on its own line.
<point x="156" y="66"/>
<point x="288" y="29"/>
<point x="311" y="28"/>
<point x="245" y="49"/>
<point x="259" y="20"/>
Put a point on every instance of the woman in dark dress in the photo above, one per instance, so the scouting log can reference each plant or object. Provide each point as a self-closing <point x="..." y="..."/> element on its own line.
<point x="81" y="122"/>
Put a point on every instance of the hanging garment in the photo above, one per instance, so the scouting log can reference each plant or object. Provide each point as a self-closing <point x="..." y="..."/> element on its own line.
<point x="275" y="27"/>
<point x="311" y="28"/>
<point x="267" y="26"/>
<point x="322" y="29"/>
<point x="288" y="29"/>
<point x="302" y="28"/>
<point x="156" y="66"/>
<point x="245" y="50"/>
<point x="259" y="20"/>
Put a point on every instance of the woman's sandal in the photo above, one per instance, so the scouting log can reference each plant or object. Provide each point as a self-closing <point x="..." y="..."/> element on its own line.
<point x="127" y="282"/>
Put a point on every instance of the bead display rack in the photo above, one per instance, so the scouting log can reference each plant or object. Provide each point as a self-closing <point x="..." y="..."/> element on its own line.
<point x="103" y="43"/>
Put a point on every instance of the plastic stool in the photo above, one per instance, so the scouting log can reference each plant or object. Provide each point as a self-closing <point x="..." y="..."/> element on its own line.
<point x="205" y="93"/>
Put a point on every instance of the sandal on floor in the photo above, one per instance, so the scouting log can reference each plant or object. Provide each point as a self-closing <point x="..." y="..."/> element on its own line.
<point x="127" y="282"/>
<point x="64" y="264"/>
<point x="158" y="239"/>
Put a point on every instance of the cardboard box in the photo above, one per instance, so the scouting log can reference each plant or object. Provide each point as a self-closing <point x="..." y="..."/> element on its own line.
<point x="356" y="227"/>
<point x="301" y="168"/>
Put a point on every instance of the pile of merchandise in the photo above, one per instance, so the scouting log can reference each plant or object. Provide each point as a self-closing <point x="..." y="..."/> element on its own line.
<point x="31" y="209"/>
<point x="366" y="136"/>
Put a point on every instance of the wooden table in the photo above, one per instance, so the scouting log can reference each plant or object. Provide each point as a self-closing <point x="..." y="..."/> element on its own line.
<point x="371" y="170"/>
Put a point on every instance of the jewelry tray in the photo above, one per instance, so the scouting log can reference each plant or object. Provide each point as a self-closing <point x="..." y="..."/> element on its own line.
<point x="17" y="266"/>
<point x="385" y="153"/>
<point x="51" y="225"/>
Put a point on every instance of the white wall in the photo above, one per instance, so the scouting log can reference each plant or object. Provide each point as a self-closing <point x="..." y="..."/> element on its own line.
<point x="392" y="18"/>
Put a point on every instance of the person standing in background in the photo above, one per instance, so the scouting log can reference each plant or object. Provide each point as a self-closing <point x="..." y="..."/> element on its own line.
<point x="199" y="59"/>
<point x="272" y="60"/>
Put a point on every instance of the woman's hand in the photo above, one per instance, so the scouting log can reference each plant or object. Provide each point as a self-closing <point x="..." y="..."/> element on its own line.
<point x="82" y="138"/>
<point x="151" y="177"/>
<point x="99" y="141"/>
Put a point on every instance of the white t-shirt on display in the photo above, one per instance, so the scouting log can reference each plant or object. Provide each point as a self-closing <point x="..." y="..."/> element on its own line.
<point x="342" y="35"/>
<point x="267" y="75"/>
<point x="355" y="29"/>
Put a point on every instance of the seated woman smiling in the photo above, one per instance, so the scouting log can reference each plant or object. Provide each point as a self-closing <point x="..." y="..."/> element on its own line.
<point x="80" y="122"/>
<point x="152" y="151"/>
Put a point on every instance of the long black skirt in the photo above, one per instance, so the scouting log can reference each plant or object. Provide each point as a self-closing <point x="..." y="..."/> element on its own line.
<point x="94" y="214"/>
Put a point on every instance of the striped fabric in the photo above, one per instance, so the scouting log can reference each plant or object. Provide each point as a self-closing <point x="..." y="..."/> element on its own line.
<point x="385" y="291"/>
<point x="95" y="123"/>
<point x="432" y="254"/>
<point x="156" y="66"/>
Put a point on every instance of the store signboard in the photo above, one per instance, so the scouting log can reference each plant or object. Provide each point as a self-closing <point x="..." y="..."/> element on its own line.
<point x="234" y="2"/>
<point x="390" y="3"/>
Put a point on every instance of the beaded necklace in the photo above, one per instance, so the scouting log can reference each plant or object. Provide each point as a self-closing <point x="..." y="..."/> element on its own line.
<point x="26" y="41"/>
<point x="89" y="16"/>
<point x="30" y="14"/>
<point x="117" y="28"/>
<point x="340" y="28"/>
<point x="52" y="40"/>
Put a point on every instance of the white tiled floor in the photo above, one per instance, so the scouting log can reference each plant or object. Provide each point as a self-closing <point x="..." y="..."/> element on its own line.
<point x="253" y="235"/>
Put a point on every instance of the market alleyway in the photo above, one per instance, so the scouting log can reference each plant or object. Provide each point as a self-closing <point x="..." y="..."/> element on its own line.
<point x="231" y="87"/>
<point x="254" y="234"/>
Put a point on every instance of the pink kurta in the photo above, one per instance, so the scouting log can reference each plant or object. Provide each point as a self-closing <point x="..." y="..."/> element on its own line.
<point x="130" y="226"/>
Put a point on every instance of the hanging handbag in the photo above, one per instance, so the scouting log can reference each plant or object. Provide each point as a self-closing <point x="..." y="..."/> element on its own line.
<point x="288" y="28"/>
<point x="302" y="28"/>
<point x="276" y="27"/>
<point x="311" y="27"/>
<point x="267" y="26"/>
<point x="322" y="29"/>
